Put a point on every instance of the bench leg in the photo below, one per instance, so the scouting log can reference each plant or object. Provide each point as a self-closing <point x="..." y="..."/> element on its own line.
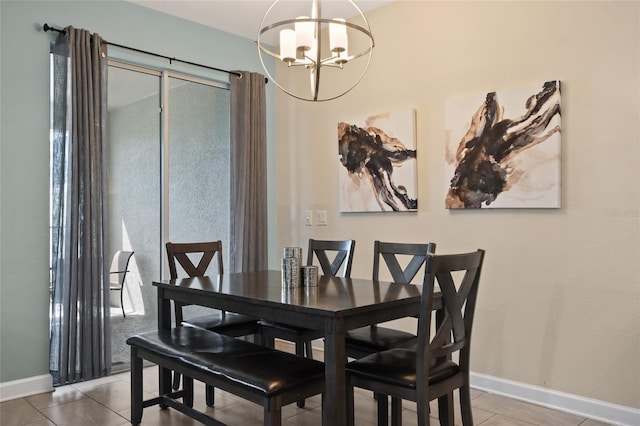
<point x="164" y="376"/>
<point x="187" y="388"/>
<point x="210" y="395"/>
<point x="136" y="387"/>
<point x="383" y="409"/>
<point x="272" y="415"/>
<point x="396" y="411"/>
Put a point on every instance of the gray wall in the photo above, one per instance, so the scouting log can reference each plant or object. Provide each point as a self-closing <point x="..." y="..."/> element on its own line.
<point x="24" y="145"/>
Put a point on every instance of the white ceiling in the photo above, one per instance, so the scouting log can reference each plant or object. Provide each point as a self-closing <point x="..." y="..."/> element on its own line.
<point x="240" y="17"/>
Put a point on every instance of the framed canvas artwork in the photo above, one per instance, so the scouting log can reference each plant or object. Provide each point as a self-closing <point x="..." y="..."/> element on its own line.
<point x="503" y="149"/>
<point x="378" y="163"/>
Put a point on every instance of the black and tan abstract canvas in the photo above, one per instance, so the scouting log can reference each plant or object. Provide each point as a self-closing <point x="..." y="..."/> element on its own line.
<point x="378" y="163"/>
<point x="503" y="149"/>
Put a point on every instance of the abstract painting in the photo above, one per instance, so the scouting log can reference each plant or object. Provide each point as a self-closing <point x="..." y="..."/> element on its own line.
<point x="503" y="149"/>
<point x="378" y="163"/>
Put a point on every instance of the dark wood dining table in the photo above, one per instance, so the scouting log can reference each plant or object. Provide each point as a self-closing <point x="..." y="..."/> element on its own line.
<point x="334" y="306"/>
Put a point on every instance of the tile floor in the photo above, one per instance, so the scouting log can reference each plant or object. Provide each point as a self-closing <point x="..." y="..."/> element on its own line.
<point x="105" y="402"/>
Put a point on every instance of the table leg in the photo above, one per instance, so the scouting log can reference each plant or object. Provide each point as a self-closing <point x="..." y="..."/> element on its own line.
<point x="164" y="323"/>
<point x="334" y="410"/>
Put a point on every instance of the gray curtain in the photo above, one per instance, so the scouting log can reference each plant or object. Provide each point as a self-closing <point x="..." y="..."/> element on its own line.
<point x="248" y="248"/>
<point x="80" y="347"/>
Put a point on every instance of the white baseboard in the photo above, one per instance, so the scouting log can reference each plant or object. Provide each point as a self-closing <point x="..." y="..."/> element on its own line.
<point x="586" y="407"/>
<point x="602" y="411"/>
<point x="26" y="387"/>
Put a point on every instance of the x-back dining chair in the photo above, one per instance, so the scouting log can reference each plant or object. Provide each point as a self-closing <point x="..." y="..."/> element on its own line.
<point x="185" y="255"/>
<point x="342" y="256"/>
<point x="367" y="340"/>
<point x="427" y="371"/>
<point x="333" y="257"/>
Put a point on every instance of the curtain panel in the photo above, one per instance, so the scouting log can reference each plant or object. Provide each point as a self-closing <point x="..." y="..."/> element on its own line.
<point x="80" y="346"/>
<point x="248" y="225"/>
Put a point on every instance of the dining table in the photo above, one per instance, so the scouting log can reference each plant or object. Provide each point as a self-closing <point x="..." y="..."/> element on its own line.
<point x="334" y="306"/>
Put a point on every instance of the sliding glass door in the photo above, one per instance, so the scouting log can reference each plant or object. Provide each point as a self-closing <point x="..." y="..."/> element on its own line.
<point x="168" y="180"/>
<point x="198" y="163"/>
<point x="197" y="166"/>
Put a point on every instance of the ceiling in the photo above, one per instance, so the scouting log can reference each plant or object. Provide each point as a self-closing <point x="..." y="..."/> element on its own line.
<point x="241" y="17"/>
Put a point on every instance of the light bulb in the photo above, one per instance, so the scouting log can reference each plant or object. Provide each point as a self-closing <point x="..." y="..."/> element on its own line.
<point x="288" y="45"/>
<point x="304" y="34"/>
<point x="338" y="36"/>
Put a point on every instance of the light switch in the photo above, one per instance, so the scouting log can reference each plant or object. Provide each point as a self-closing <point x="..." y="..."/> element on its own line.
<point x="321" y="217"/>
<point x="308" y="218"/>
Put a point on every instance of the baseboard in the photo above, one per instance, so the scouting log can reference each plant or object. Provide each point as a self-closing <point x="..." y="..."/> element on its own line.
<point x="586" y="407"/>
<point x="26" y="387"/>
<point x="602" y="411"/>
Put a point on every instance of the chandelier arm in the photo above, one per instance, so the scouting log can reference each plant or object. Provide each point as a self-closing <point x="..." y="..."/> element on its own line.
<point x="267" y="51"/>
<point x="277" y="56"/>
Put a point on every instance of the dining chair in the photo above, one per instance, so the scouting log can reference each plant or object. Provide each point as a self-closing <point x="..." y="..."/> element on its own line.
<point x="231" y="324"/>
<point x="342" y="256"/>
<point x="333" y="257"/>
<point x="371" y="339"/>
<point x="428" y="371"/>
<point x="118" y="274"/>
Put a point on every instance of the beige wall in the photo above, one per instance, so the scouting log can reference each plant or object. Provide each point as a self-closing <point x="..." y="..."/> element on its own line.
<point x="559" y="303"/>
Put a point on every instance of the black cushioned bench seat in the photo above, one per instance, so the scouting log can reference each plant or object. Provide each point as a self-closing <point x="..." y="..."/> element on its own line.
<point x="259" y="374"/>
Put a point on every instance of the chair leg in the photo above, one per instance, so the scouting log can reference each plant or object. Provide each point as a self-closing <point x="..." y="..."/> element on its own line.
<point x="308" y="349"/>
<point x="445" y="410"/>
<point x="350" y="406"/>
<point x="423" y="412"/>
<point x="136" y="387"/>
<point x="465" y="405"/>
<point x="265" y="338"/>
<point x="210" y="395"/>
<point x="176" y="381"/>
<point x="122" y="302"/>
<point x="268" y="341"/>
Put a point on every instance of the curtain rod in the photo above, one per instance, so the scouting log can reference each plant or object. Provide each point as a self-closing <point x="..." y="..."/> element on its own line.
<point x="47" y="27"/>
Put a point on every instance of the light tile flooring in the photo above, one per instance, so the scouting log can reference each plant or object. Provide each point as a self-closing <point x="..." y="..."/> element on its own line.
<point x="105" y="402"/>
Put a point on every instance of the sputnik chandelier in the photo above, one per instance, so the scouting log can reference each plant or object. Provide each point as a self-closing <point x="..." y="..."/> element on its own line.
<point x="316" y="42"/>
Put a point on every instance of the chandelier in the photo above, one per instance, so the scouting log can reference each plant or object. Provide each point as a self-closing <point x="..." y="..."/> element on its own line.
<point x="316" y="42"/>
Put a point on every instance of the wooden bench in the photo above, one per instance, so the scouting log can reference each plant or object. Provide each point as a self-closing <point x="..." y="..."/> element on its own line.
<point x="256" y="373"/>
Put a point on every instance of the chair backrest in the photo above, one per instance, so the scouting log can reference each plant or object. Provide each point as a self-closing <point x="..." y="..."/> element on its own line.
<point x="180" y="252"/>
<point x="120" y="267"/>
<point x="393" y="252"/>
<point x="343" y="256"/>
<point x="458" y="276"/>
